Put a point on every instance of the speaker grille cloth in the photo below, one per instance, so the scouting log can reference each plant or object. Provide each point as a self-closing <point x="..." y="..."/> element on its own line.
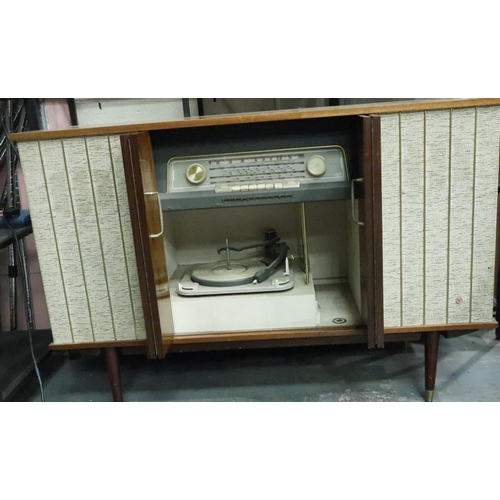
<point x="81" y="222"/>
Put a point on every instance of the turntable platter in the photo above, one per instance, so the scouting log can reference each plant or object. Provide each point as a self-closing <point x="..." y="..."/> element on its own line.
<point x="217" y="274"/>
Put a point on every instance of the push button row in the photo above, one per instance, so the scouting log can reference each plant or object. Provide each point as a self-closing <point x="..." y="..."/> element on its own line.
<point x="258" y="187"/>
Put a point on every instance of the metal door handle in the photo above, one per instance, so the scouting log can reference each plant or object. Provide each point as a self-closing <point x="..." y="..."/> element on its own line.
<point x="157" y="194"/>
<point x="353" y="203"/>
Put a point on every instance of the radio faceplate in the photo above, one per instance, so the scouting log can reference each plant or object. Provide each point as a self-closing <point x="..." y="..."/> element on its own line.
<point x="263" y="177"/>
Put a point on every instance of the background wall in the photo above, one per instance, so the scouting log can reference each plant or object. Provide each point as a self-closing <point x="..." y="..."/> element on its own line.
<point x="94" y="112"/>
<point x="222" y="106"/>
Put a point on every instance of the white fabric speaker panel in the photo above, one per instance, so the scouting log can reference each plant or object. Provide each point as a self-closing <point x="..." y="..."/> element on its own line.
<point x="127" y="237"/>
<point x="78" y="187"/>
<point x="439" y="185"/>
<point x="485" y="212"/>
<point x="412" y="217"/>
<point x="391" y="216"/>
<point x="47" y="248"/>
<point x="83" y="212"/>
<point x="59" y="198"/>
<point x="461" y="215"/>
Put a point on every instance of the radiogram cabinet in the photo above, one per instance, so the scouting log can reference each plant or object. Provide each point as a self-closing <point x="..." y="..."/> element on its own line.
<point x="403" y="250"/>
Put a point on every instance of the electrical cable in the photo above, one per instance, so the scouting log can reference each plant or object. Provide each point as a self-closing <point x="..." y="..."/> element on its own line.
<point x="20" y="110"/>
<point x="14" y="149"/>
<point x="28" y="319"/>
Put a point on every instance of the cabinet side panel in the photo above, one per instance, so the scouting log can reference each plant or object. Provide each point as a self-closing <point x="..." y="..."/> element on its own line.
<point x="47" y="248"/>
<point x="462" y="167"/>
<point x="485" y="212"/>
<point x="391" y="216"/>
<point x="437" y="163"/>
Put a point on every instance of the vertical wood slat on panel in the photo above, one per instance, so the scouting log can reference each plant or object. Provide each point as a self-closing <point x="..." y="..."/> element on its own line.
<point x="47" y="248"/>
<point x="412" y="218"/>
<point x="79" y="208"/>
<point x="437" y="145"/>
<point x="485" y="213"/>
<point x="462" y="164"/>
<point x="391" y="210"/>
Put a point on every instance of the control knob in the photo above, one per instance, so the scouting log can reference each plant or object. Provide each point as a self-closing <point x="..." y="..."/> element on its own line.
<point x="316" y="166"/>
<point x="196" y="174"/>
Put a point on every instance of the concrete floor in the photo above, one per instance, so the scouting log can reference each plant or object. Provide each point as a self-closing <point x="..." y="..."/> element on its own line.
<point x="468" y="370"/>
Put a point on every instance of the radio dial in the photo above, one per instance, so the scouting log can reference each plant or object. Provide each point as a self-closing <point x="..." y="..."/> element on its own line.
<point x="316" y="166"/>
<point x="196" y="174"/>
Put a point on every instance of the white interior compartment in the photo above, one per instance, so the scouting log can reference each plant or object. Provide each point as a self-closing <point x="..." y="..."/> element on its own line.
<point x="193" y="237"/>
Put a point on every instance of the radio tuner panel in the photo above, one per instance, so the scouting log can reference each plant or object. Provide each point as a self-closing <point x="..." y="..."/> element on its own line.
<point x="257" y="178"/>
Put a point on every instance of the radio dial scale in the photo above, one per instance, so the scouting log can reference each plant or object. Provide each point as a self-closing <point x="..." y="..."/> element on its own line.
<point x="264" y="177"/>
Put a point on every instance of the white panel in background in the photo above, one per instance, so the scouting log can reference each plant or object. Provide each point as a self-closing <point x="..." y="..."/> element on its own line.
<point x="485" y="213"/>
<point x="391" y="213"/>
<point x="436" y="215"/>
<point x="101" y="112"/>
<point x="222" y="106"/>
<point x="327" y="240"/>
<point x="48" y="251"/>
<point x="412" y="217"/>
<point x="461" y="214"/>
<point x="354" y="258"/>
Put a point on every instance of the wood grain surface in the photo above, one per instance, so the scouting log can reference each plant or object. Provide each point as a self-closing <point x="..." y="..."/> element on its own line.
<point x="153" y="213"/>
<point x="380" y="108"/>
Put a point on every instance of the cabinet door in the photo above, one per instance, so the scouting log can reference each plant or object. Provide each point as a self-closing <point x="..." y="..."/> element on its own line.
<point x="145" y="214"/>
<point x="367" y="190"/>
<point x="376" y="231"/>
<point x="439" y="190"/>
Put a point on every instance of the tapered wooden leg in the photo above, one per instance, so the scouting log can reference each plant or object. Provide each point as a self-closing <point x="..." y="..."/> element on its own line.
<point x="431" y="359"/>
<point x="114" y="374"/>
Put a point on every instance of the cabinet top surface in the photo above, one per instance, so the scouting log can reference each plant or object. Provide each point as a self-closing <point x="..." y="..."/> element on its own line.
<point x="274" y="116"/>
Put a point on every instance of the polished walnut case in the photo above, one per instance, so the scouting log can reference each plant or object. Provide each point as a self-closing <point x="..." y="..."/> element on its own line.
<point x="425" y="232"/>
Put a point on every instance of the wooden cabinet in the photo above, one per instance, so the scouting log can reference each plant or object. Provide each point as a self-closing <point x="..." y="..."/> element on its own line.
<point x="411" y="254"/>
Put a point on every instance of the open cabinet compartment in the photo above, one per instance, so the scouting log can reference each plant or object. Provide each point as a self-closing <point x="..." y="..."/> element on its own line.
<point x="331" y="297"/>
<point x="338" y="297"/>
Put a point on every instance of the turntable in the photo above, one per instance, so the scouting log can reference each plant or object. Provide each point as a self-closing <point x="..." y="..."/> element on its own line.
<point x="271" y="273"/>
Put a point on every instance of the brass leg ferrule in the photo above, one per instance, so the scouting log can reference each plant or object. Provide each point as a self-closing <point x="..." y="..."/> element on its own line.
<point x="429" y="396"/>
